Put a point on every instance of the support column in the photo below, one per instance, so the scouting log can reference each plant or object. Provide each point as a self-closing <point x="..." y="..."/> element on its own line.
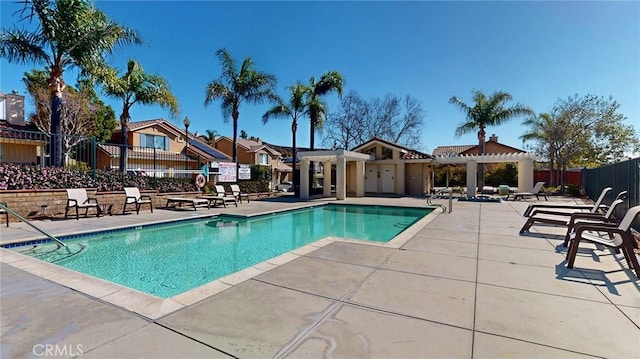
<point x="341" y="173"/>
<point x="326" y="190"/>
<point x="472" y="169"/>
<point x="525" y="176"/>
<point x="360" y="178"/>
<point x="304" y="178"/>
<point x="400" y="178"/>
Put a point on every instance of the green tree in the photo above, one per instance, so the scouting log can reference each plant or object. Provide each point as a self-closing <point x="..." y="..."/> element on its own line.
<point x="294" y="109"/>
<point x="104" y="116"/>
<point x="136" y="86"/>
<point x="544" y="130"/>
<point x="235" y="86"/>
<point x="486" y="111"/>
<point x="210" y="136"/>
<point x="330" y="81"/>
<point x="70" y="33"/>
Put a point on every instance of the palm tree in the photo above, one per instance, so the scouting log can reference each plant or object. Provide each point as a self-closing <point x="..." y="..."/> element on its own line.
<point x="71" y="33"/>
<point x="330" y="81"/>
<point x="236" y="86"/>
<point x="487" y="111"/>
<point x="136" y="86"/>
<point x="210" y="138"/>
<point x="296" y="108"/>
<point x="542" y="128"/>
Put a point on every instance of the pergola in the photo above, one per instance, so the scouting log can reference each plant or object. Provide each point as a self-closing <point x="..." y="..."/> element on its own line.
<point x="328" y="158"/>
<point x="524" y="160"/>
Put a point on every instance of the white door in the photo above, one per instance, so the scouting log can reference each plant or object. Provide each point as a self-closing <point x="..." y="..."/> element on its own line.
<point x="371" y="181"/>
<point x="387" y="178"/>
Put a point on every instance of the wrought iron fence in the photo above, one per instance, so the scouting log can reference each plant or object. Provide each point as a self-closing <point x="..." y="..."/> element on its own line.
<point x="34" y="148"/>
<point x="621" y="176"/>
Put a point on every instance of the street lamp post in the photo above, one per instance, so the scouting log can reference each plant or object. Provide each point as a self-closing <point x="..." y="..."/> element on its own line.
<point x="186" y="123"/>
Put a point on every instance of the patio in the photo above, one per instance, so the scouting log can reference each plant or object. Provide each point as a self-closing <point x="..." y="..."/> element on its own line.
<point x="466" y="285"/>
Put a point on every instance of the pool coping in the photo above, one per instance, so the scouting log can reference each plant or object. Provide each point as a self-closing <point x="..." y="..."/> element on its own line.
<point x="153" y="307"/>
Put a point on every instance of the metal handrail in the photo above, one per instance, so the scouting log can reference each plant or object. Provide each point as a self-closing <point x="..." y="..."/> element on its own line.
<point x="2" y="206"/>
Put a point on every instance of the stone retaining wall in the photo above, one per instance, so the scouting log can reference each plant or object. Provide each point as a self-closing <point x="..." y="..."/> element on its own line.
<point x="28" y="203"/>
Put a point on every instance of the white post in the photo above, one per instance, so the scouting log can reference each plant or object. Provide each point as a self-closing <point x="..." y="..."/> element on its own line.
<point x="360" y="178"/>
<point x="525" y="175"/>
<point x="341" y="173"/>
<point x="304" y="178"/>
<point x="472" y="169"/>
<point x="326" y="190"/>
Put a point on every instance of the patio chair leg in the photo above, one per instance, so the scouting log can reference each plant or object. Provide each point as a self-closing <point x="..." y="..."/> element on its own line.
<point x="77" y="215"/>
<point x="573" y="252"/>
<point x="137" y="208"/>
<point x="151" y="205"/>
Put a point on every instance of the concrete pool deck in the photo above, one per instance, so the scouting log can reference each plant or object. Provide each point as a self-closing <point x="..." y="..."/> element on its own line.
<point x="466" y="285"/>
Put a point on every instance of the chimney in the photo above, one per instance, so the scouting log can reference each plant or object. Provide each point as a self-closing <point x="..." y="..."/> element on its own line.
<point x="14" y="107"/>
<point x="493" y="138"/>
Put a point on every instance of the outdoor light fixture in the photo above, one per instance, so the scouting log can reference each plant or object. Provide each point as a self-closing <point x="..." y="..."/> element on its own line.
<point x="186" y="123"/>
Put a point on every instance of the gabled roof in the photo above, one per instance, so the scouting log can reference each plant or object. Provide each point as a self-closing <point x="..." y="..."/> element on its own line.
<point x="407" y="153"/>
<point x="161" y="122"/>
<point x="463" y="149"/>
<point x="251" y="145"/>
<point x="451" y="150"/>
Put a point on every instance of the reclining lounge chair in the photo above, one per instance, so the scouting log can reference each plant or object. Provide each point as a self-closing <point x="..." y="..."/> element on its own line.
<point x="607" y="234"/>
<point x="235" y="190"/>
<point x="534" y="192"/>
<point x="554" y="206"/>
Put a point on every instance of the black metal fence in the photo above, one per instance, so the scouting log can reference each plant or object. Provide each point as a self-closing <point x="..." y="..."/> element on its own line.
<point x="34" y="148"/>
<point x="622" y="176"/>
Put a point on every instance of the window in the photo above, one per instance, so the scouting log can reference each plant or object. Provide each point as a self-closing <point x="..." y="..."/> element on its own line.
<point x="387" y="153"/>
<point x="263" y="159"/>
<point x="153" y="141"/>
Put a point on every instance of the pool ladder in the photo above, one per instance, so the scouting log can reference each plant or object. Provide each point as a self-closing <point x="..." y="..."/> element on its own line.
<point x="444" y="208"/>
<point x="24" y="220"/>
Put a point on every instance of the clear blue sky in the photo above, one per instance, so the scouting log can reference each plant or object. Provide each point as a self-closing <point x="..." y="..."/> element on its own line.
<point x="537" y="51"/>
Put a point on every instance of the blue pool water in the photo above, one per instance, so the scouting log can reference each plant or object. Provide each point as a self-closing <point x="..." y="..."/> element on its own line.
<point x="165" y="261"/>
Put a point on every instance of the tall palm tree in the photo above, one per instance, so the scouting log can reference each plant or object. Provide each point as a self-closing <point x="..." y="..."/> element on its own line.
<point x="542" y="128"/>
<point x="235" y="86"/>
<point x="71" y="33"/>
<point x="296" y="108"/>
<point x="330" y="81"/>
<point x="487" y="111"/>
<point x="137" y="87"/>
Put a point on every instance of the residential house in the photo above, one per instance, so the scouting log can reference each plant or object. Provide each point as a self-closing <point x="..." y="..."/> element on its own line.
<point x="491" y="147"/>
<point x="255" y="152"/>
<point x="158" y="147"/>
<point x="20" y="143"/>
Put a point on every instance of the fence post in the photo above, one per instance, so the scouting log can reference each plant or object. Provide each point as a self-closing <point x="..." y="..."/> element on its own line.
<point x="93" y="157"/>
<point x="155" y="168"/>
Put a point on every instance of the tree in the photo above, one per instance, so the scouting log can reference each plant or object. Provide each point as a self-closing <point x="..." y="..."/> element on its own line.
<point x="137" y="86"/>
<point x="347" y="127"/>
<point x="235" y="86"/>
<point x="583" y="131"/>
<point x="210" y="138"/>
<point x="330" y="81"/>
<point x="395" y="119"/>
<point x="295" y="108"/>
<point x="82" y="115"/>
<point x="71" y="33"/>
<point x="487" y="111"/>
<point x="544" y="130"/>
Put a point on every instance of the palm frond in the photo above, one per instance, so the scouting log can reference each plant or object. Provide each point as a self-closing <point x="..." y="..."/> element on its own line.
<point x="20" y="46"/>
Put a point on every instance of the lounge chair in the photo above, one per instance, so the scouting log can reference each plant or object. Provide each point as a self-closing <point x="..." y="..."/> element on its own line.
<point x="77" y="198"/>
<point x="235" y="190"/>
<point x="550" y="217"/>
<point x="534" y="192"/>
<point x="134" y="197"/>
<point x="6" y="214"/>
<point x="575" y="207"/>
<point x="615" y="236"/>
<point x="194" y="202"/>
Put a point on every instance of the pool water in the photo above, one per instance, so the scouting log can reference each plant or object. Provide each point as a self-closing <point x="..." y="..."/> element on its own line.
<point x="168" y="260"/>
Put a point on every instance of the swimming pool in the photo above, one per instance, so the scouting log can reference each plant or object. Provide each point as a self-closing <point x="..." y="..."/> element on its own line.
<point x="168" y="260"/>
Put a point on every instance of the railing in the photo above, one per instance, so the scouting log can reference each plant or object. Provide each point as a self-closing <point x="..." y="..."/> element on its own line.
<point x="24" y="220"/>
<point x="34" y="148"/>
